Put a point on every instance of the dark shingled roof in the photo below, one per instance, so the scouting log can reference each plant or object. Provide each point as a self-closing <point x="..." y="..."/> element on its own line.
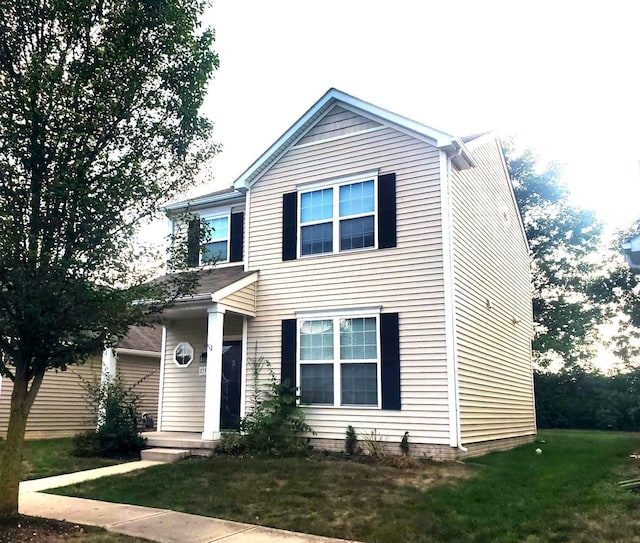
<point x="142" y="338"/>
<point x="217" y="278"/>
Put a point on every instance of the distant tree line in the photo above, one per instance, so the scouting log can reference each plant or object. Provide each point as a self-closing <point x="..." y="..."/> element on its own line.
<point x="582" y="399"/>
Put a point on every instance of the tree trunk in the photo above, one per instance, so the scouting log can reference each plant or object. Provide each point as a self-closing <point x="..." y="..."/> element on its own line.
<point x="10" y="467"/>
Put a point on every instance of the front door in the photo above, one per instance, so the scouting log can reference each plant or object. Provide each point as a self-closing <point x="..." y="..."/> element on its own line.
<point x="231" y="378"/>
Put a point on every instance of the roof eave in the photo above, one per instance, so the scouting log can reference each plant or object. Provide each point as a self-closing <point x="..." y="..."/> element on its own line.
<point x="458" y="153"/>
<point x="204" y="201"/>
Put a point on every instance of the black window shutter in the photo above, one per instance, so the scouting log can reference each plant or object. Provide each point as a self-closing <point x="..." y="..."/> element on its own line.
<point x="387" y="211"/>
<point x="288" y="355"/>
<point x="193" y="243"/>
<point x="237" y="237"/>
<point x="390" y="360"/>
<point x="289" y="225"/>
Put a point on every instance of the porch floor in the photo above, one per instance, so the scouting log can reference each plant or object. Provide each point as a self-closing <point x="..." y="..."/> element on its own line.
<point x="179" y="440"/>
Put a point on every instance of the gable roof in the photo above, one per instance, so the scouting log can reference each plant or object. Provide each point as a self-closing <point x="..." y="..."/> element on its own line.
<point x="446" y="142"/>
<point x="216" y="283"/>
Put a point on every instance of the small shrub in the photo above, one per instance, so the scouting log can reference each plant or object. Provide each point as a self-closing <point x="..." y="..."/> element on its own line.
<point x="276" y="426"/>
<point x="373" y="445"/>
<point x="351" y="442"/>
<point x="115" y="411"/>
<point x="276" y="423"/>
<point x="231" y="443"/>
<point x="404" y="443"/>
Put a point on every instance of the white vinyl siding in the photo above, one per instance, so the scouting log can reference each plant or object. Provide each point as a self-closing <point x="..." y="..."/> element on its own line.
<point x="492" y="303"/>
<point x="243" y="300"/>
<point x="406" y="279"/>
<point x="144" y="374"/>
<point x="60" y="408"/>
<point x="184" y="387"/>
<point x="337" y="122"/>
<point x="183" y="402"/>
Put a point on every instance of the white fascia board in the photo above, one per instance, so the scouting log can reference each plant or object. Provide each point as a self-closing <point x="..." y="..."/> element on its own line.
<point x="440" y="139"/>
<point x="234" y="287"/>
<point x="204" y="201"/>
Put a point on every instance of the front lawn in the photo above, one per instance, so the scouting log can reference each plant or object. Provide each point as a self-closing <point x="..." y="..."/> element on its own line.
<point x="568" y="493"/>
<point x="48" y="457"/>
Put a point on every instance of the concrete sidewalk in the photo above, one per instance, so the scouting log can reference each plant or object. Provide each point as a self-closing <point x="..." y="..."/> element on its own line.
<point x="160" y="525"/>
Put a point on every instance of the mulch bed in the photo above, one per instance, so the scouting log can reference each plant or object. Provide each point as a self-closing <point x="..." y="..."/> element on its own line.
<point x="23" y="529"/>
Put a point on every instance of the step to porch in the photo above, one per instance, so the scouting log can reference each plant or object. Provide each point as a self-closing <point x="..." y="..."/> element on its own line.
<point x="164" y="455"/>
<point x="174" y="446"/>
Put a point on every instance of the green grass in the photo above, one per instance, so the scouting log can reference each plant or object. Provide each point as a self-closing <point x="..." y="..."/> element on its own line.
<point x="48" y="457"/>
<point x="568" y="493"/>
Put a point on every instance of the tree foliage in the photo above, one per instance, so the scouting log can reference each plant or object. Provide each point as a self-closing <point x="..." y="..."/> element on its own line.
<point x="618" y="288"/>
<point x="563" y="240"/>
<point x="582" y="399"/>
<point x="99" y="121"/>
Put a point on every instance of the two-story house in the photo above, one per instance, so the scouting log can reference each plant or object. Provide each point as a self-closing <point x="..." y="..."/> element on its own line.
<point x="378" y="264"/>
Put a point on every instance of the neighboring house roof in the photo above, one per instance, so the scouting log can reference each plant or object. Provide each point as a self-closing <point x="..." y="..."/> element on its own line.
<point x="451" y="144"/>
<point x="631" y="250"/>
<point x="142" y="338"/>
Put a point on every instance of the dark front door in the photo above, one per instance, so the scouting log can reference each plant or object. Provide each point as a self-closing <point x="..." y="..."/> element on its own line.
<point x="231" y="377"/>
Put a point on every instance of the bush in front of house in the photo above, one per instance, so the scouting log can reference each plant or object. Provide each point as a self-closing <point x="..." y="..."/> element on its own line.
<point x="115" y="411"/>
<point x="275" y="427"/>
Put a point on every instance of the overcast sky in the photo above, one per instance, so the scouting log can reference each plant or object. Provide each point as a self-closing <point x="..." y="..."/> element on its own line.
<point x="562" y="76"/>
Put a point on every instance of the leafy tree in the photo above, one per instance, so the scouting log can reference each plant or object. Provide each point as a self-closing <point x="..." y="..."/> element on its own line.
<point x="99" y="120"/>
<point x="582" y="399"/>
<point x="563" y="240"/>
<point x="618" y="288"/>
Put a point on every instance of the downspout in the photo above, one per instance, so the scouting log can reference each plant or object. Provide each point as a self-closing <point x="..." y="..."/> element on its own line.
<point x="449" y="303"/>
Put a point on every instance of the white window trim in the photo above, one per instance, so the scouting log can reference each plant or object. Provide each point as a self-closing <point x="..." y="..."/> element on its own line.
<point x="193" y="354"/>
<point x="218" y="214"/>
<point x="335" y="316"/>
<point x="335" y="184"/>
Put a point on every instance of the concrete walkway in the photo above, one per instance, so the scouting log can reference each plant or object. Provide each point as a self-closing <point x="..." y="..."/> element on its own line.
<point x="160" y="525"/>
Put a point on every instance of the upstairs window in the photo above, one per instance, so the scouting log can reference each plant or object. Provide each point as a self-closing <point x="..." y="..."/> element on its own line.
<point x="215" y="237"/>
<point x="216" y="240"/>
<point x="338" y="218"/>
<point x="353" y="213"/>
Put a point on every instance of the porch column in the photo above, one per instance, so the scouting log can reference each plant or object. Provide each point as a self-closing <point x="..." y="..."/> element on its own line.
<point x="108" y="373"/>
<point x="213" y="383"/>
<point x="109" y="365"/>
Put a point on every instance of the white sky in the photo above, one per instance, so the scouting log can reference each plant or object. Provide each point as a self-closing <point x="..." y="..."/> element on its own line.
<point x="562" y="76"/>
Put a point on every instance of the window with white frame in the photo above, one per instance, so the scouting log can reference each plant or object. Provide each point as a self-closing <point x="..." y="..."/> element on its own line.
<point x="339" y="361"/>
<point x="183" y="354"/>
<point x="216" y="239"/>
<point x="340" y="217"/>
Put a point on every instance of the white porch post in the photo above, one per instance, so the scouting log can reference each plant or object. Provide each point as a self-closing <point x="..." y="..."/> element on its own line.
<point x="109" y="365"/>
<point x="213" y="381"/>
<point x="109" y="369"/>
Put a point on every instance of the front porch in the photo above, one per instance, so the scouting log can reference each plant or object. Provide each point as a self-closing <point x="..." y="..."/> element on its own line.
<point x="204" y="355"/>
